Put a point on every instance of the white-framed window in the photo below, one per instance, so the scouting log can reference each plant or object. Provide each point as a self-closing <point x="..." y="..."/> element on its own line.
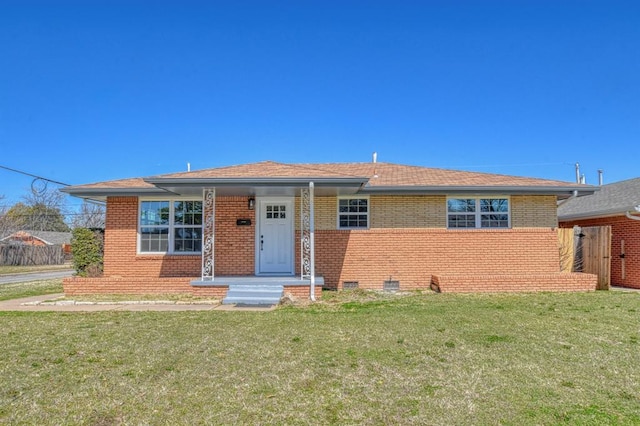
<point x="353" y="212"/>
<point x="478" y="212"/>
<point x="170" y="226"/>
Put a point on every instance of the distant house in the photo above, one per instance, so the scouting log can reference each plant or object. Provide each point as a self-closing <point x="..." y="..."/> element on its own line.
<point x="338" y="225"/>
<point x="618" y="205"/>
<point x="40" y="238"/>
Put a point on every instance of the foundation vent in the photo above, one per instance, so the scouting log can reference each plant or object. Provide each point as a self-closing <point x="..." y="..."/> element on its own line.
<point x="391" y="285"/>
<point x="350" y="285"/>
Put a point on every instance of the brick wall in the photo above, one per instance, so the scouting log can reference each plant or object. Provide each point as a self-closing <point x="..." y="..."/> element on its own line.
<point x="407" y="242"/>
<point x="415" y="211"/>
<point x="234" y="245"/>
<point x="534" y="211"/>
<point x="76" y="286"/>
<point x="622" y="228"/>
<point x="474" y="283"/>
<point x="234" y="253"/>
<point x="413" y="256"/>
<point x="429" y="211"/>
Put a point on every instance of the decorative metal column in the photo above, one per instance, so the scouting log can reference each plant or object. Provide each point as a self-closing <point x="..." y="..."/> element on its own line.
<point x="208" y="233"/>
<point x="307" y="243"/>
<point x="305" y="233"/>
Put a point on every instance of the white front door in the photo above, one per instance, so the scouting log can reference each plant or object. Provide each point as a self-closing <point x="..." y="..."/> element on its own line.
<point x="274" y="239"/>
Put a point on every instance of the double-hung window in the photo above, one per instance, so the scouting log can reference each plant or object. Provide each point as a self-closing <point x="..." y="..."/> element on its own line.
<point x="353" y="213"/>
<point x="170" y="226"/>
<point x="478" y="212"/>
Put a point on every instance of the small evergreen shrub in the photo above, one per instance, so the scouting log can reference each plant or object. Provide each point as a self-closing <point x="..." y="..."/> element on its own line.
<point x="86" y="247"/>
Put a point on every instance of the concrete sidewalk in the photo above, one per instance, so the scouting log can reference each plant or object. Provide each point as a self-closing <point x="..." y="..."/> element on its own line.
<point x="48" y="303"/>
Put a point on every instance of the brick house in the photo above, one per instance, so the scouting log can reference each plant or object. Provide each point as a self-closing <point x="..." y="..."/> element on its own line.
<point x="618" y="205"/>
<point x="345" y="225"/>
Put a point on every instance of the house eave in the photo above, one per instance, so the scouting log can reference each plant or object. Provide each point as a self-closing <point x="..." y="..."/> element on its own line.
<point x="103" y="193"/>
<point x="258" y="186"/>
<point x="218" y="182"/>
<point x="559" y="191"/>
<point x="594" y="214"/>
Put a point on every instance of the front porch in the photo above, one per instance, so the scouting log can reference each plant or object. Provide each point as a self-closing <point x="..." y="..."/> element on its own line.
<point x="261" y="290"/>
<point x="219" y="288"/>
<point x="286" y="281"/>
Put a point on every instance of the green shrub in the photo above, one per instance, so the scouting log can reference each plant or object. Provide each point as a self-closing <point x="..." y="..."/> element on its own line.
<point x="86" y="246"/>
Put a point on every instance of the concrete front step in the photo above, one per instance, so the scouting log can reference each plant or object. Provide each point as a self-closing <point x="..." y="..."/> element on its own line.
<point x="253" y="294"/>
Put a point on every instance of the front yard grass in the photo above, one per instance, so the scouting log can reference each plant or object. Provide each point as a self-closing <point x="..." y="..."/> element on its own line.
<point x="417" y="359"/>
<point x="31" y="288"/>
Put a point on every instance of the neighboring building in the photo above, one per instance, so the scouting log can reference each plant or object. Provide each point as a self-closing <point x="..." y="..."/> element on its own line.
<point x="345" y="225"/>
<point x="40" y="238"/>
<point x="618" y="205"/>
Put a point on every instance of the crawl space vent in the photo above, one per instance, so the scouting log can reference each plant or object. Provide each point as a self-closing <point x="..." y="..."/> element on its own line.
<point x="350" y="285"/>
<point x="390" y="285"/>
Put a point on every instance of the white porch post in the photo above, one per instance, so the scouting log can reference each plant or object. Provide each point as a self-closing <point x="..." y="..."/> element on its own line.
<point x="307" y="243"/>
<point x="208" y="233"/>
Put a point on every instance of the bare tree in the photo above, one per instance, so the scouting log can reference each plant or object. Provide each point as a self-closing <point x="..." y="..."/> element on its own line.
<point x="7" y="224"/>
<point x="40" y="211"/>
<point x="91" y="215"/>
<point x="43" y="196"/>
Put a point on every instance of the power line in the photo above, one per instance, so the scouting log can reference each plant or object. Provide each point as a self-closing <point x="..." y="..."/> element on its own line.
<point x="34" y="176"/>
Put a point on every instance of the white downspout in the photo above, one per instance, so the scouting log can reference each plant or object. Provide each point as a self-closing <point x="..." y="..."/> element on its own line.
<point x="636" y="208"/>
<point x="312" y="291"/>
<point x="630" y="216"/>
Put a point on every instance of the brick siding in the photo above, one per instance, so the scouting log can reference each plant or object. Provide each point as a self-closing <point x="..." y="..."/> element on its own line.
<point x="414" y="256"/>
<point x="407" y="242"/>
<point x="234" y="253"/>
<point x="622" y="228"/>
<point x="534" y="211"/>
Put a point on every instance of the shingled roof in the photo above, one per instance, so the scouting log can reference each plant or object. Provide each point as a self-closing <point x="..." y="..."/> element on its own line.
<point x="613" y="199"/>
<point x="365" y="177"/>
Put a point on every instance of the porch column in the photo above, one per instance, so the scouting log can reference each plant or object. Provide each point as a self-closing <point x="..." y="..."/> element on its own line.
<point x="307" y="243"/>
<point x="208" y="233"/>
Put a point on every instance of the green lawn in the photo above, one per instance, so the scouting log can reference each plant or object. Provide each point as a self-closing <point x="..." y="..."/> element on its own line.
<point x="31" y="288"/>
<point x="419" y="359"/>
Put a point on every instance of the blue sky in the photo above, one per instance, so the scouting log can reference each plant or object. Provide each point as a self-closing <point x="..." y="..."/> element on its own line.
<point x="93" y="90"/>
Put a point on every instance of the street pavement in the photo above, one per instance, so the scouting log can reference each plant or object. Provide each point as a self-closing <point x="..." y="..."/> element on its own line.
<point x="35" y="276"/>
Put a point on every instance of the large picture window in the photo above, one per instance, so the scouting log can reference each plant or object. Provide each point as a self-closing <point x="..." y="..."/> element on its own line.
<point x="476" y="212"/>
<point x="353" y="213"/>
<point x="170" y="226"/>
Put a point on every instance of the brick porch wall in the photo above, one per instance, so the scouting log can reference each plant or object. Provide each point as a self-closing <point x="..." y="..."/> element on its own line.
<point x="622" y="228"/>
<point x="76" y="286"/>
<point x="476" y="283"/>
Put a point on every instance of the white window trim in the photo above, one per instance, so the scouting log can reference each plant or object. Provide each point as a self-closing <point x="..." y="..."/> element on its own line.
<point x="478" y="214"/>
<point x="353" y="197"/>
<point x="171" y="227"/>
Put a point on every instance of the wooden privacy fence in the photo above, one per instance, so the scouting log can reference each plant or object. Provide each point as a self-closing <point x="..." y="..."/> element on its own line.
<point x="28" y="255"/>
<point x="588" y="250"/>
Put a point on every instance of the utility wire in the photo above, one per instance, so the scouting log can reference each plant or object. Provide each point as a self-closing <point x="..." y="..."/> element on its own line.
<point x="34" y="176"/>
